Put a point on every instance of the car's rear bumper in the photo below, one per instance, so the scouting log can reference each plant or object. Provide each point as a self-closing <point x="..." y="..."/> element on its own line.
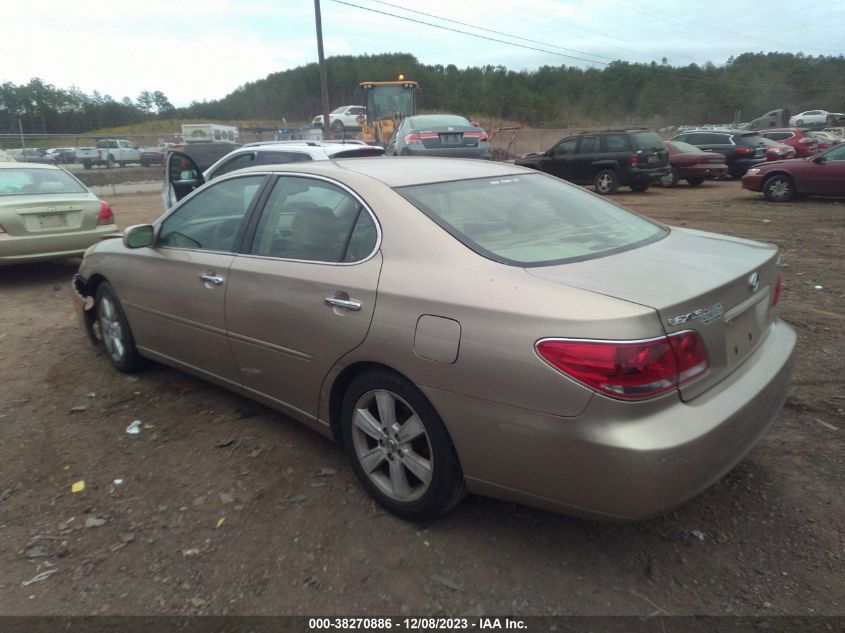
<point x="620" y="461"/>
<point x="642" y="176"/>
<point x="449" y="152"/>
<point x="18" y="249"/>
<point x="702" y="171"/>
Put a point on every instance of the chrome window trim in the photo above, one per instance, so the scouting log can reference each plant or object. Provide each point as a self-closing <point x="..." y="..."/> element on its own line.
<point x="157" y="224"/>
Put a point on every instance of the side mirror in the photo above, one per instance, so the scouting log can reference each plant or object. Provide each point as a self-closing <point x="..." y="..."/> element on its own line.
<point x="548" y="152"/>
<point x="819" y="159"/>
<point x="139" y="236"/>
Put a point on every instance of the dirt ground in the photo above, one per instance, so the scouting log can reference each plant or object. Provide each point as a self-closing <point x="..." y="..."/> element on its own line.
<point x="228" y="507"/>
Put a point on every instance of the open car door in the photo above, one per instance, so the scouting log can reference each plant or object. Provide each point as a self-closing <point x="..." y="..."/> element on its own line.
<point x="183" y="169"/>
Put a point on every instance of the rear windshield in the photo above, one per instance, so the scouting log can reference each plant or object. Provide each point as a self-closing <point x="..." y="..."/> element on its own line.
<point x="359" y="152"/>
<point x="647" y="140"/>
<point x="531" y="220"/>
<point x="685" y="147"/>
<point x="15" y="182"/>
<point x="753" y="139"/>
<point x="436" y="120"/>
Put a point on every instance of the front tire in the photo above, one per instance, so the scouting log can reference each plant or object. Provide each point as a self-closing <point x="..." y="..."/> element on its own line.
<point x="694" y="182"/>
<point x="605" y="182"/>
<point x="86" y="164"/>
<point x="337" y="129"/>
<point x="109" y="162"/>
<point x="779" y="188"/>
<point x="399" y="448"/>
<point x="115" y="333"/>
<point x="639" y="187"/>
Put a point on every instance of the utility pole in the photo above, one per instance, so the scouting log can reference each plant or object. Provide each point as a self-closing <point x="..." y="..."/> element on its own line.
<point x="324" y="86"/>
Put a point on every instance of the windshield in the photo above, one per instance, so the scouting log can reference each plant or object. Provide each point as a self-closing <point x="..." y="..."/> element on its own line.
<point x="14" y="182"/>
<point x="531" y="220"/>
<point x="387" y="101"/>
<point x="438" y="120"/>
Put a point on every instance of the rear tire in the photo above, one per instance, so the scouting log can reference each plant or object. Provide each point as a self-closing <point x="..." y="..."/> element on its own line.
<point x="779" y="188"/>
<point x="337" y="129"/>
<point x="122" y="163"/>
<point x="694" y="182"/>
<point x="670" y="180"/>
<point x="86" y="164"/>
<point x="799" y="123"/>
<point x="605" y="182"/>
<point x="399" y="448"/>
<point x="115" y="334"/>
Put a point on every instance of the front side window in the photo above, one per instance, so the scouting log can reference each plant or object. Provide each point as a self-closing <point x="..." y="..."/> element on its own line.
<point x="313" y="220"/>
<point x="210" y="220"/>
<point x="565" y="147"/>
<point x="531" y="220"/>
<point x="837" y="153"/>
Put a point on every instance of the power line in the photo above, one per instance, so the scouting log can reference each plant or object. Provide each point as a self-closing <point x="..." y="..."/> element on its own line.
<point x="483" y="37"/>
<point x="481" y="28"/>
<point x="672" y="73"/>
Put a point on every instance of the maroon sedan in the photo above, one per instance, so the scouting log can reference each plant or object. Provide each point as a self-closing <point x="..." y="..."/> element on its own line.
<point x="781" y="181"/>
<point x="692" y="164"/>
<point x="803" y="142"/>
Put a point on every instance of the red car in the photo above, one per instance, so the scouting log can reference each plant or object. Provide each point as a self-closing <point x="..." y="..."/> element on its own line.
<point x="692" y="164"/>
<point x="781" y="181"/>
<point x="804" y="143"/>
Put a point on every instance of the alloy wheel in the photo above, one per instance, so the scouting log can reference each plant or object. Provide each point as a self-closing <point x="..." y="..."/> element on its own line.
<point x="111" y="330"/>
<point x="392" y="445"/>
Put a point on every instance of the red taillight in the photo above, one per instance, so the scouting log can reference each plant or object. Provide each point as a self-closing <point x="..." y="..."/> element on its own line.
<point x="481" y="136"/>
<point x="631" y="370"/>
<point x="632" y="161"/>
<point x="106" y="216"/>
<point x="418" y="138"/>
<point x="743" y="151"/>
<point x="778" y="291"/>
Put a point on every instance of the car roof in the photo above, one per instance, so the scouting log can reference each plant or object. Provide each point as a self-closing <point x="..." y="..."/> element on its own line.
<point x="402" y="171"/>
<point x="316" y="149"/>
<point x="28" y="165"/>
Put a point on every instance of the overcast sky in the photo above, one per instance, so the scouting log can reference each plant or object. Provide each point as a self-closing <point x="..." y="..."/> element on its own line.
<point x="200" y="50"/>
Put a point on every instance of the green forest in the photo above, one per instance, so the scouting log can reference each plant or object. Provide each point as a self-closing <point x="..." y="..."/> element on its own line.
<point x="551" y="96"/>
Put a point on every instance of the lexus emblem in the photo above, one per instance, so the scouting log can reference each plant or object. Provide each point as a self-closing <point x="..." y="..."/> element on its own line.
<point x="753" y="282"/>
<point x="450" y="128"/>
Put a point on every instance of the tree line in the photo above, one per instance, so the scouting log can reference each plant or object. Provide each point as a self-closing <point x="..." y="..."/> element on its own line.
<point x="40" y="108"/>
<point x="551" y="96"/>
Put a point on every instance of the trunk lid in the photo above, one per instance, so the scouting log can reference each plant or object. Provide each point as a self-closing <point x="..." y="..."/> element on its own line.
<point x="45" y="215"/>
<point x="451" y="136"/>
<point x="721" y="287"/>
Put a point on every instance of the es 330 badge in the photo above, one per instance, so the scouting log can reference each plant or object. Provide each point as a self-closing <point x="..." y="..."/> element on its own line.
<point x="705" y="315"/>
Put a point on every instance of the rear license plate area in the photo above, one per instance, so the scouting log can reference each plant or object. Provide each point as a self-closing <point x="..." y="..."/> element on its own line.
<point x="653" y="159"/>
<point x="42" y="221"/>
<point x="451" y="139"/>
<point x="743" y="331"/>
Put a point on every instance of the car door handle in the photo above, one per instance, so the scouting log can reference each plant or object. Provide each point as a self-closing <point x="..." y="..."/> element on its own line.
<point x="349" y="304"/>
<point x="211" y="278"/>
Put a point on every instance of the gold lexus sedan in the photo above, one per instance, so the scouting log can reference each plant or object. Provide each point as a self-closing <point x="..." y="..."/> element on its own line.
<point x="460" y="326"/>
<point x="45" y="213"/>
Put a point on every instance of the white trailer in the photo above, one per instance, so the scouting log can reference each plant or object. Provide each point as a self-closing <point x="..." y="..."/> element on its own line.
<point x="205" y="132"/>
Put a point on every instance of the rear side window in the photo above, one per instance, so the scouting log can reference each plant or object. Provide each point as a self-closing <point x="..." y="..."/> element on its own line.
<point x="684" y="148"/>
<point x="313" y="220"/>
<point x="778" y="136"/>
<point x="531" y="220"/>
<point x="279" y="158"/>
<point x="247" y="159"/>
<point x="616" y="143"/>
<point x="361" y="152"/>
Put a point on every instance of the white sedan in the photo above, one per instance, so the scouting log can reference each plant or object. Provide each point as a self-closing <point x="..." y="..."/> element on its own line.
<point x="810" y="117"/>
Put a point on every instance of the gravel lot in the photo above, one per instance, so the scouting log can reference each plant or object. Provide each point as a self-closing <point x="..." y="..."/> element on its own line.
<point x="228" y="507"/>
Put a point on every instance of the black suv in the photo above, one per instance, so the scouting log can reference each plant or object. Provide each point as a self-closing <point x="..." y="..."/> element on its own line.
<point x="635" y="158"/>
<point x="741" y="149"/>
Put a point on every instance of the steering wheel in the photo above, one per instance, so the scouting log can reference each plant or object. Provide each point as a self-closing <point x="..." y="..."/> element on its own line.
<point x="223" y="235"/>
